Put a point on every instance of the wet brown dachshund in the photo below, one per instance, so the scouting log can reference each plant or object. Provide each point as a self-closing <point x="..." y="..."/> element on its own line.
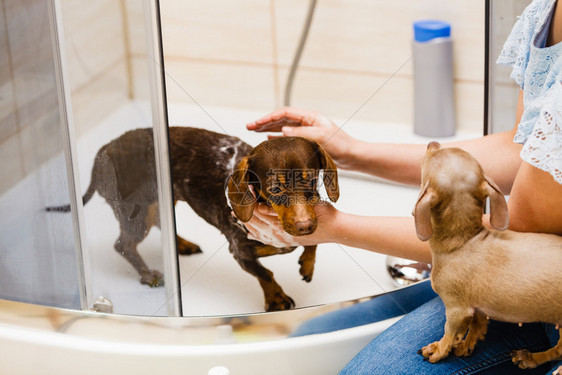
<point x="481" y="273"/>
<point x="282" y="172"/>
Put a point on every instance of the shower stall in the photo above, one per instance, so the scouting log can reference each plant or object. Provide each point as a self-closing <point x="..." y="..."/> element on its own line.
<point x="76" y="75"/>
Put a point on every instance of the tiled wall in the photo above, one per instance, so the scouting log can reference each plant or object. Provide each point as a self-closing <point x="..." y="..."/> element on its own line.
<point x="29" y="106"/>
<point x="97" y="59"/>
<point x="227" y="53"/>
<point x="28" y="95"/>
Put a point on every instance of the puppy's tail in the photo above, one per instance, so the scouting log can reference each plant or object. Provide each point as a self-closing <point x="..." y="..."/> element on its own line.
<point x="66" y="208"/>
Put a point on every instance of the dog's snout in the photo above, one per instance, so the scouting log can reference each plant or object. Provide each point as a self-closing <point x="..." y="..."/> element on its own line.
<point x="305" y="227"/>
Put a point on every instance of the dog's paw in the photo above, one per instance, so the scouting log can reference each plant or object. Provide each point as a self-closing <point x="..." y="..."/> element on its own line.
<point x="279" y="302"/>
<point x="558" y="371"/>
<point x="523" y="359"/>
<point x="306" y="270"/>
<point x="428" y="350"/>
<point x="152" y="278"/>
<point x="187" y="248"/>
<point x="464" y="349"/>
<point x="433" y="352"/>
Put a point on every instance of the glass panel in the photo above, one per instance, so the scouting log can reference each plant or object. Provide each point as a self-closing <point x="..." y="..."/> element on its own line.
<point x="502" y="90"/>
<point x="38" y="257"/>
<point x="107" y="63"/>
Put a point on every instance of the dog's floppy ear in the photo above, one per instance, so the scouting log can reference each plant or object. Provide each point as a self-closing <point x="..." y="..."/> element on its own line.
<point x="499" y="218"/>
<point x="239" y="194"/>
<point x="330" y="174"/>
<point x="422" y="213"/>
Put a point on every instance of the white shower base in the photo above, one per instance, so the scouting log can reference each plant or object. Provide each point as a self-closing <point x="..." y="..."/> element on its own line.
<point x="35" y="340"/>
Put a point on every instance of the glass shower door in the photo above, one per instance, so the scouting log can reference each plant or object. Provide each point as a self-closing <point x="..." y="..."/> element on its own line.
<point x="78" y="76"/>
<point x="38" y="259"/>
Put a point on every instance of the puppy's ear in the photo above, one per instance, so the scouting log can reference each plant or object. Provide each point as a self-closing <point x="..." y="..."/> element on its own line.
<point x="239" y="194"/>
<point x="330" y="174"/>
<point x="499" y="218"/>
<point x="422" y="213"/>
<point x="433" y="146"/>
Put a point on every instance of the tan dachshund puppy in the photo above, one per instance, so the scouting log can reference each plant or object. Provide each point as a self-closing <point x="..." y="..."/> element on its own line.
<point x="479" y="273"/>
<point x="282" y="172"/>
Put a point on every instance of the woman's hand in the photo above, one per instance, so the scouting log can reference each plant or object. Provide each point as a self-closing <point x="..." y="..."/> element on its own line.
<point x="266" y="228"/>
<point x="311" y="125"/>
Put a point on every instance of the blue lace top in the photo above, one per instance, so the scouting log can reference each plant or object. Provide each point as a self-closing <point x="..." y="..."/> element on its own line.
<point x="538" y="70"/>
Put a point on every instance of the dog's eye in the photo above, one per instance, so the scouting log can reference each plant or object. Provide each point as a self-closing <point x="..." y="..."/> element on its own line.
<point x="275" y="190"/>
<point x="313" y="182"/>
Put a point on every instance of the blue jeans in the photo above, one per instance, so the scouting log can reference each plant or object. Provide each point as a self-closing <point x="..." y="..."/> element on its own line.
<point x="386" y="306"/>
<point x="395" y="350"/>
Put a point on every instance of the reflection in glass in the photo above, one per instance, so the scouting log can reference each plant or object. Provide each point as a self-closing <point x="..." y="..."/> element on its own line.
<point x="111" y="95"/>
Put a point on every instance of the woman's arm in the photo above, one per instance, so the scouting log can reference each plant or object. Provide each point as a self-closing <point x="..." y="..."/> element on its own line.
<point x="497" y="154"/>
<point x="535" y="204"/>
<point x="394" y="236"/>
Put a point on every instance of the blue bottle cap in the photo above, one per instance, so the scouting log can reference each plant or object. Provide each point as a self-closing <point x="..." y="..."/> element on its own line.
<point x="430" y="29"/>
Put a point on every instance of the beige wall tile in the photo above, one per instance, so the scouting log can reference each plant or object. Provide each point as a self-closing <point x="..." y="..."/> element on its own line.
<point x="100" y="97"/>
<point x="357" y="96"/>
<point x="209" y="83"/>
<point x="11" y="167"/>
<point x="469" y="98"/>
<point x="377" y="98"/>
<point x="218" y="30"/>
<point x="95" y="44"/>
<point x="134" y="10"/>
<point x="8" y="116"/>
<point x="48" y="130"/>
<point x="348" y="36"/>
<point x="220" y="52"/>
<point x="504" y="91"/>
<point x="94" y="38"/>
<point x="8" y="124"/>
<point x="32" y="70"/>
<point x="95" y="51"/>
<point x="373" y="35"/>
<point x="27" y="82"/>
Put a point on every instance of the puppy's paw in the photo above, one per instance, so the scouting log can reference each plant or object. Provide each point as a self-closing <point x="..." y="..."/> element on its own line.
<point x="464" y="349"/>
<point x="306" y="270"/>
<point x="280" y="301"/>
<point x="558" y="371"/>
<point x="433" y="352"/>
<point x="523" y="359"/>
<point x="152" y="278"/>
<point x="187" y="248"/>
<point x="428" y="350"/>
